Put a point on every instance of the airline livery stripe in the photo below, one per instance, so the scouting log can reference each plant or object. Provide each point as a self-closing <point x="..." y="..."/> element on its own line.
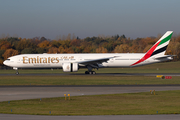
<point x="159" y="50"/>
<point x="165" y="39"/>
<point x="147" y="55"/>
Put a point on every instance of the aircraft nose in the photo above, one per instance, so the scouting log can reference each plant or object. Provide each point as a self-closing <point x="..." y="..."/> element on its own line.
<point x="5" y="62"/>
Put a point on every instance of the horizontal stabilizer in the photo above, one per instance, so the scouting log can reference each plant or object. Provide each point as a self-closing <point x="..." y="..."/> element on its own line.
<point x="165" y="57"/>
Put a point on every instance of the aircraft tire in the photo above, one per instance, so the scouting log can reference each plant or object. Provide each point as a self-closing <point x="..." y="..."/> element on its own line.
<point x="86" y="72"/>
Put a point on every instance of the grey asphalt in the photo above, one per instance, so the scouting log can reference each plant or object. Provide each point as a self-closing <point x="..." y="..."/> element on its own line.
<point x="106" y="117"/>
<point x="20" y="93"/>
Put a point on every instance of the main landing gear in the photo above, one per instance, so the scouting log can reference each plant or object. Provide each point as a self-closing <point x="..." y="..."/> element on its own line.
<point x="90" y="72"/>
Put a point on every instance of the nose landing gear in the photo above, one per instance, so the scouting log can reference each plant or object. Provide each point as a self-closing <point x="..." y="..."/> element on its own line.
<point x="17" y="73"/>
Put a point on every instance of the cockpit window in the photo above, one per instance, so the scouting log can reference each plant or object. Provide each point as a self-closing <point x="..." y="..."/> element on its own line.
<point x="7" y="59"/>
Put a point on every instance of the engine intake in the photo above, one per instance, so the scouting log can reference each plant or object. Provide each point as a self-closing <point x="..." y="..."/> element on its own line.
<point x="70" y="67"/>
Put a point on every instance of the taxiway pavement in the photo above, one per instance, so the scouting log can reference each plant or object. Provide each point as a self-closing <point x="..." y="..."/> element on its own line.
<point x="100" y="117"/>
<point x="8" y="93"/>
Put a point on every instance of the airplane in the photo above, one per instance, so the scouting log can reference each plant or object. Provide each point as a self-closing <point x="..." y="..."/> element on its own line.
<point x="73" y="62"/>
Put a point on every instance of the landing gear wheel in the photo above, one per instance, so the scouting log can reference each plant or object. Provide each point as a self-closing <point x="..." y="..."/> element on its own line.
<point x="92" y="72"/>
<point x="86" y="72"/>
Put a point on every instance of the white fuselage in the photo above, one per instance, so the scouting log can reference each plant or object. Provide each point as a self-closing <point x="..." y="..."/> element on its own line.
<point x="57" y="60"/>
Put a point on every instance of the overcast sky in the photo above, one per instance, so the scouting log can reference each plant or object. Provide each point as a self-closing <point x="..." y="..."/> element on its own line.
<point x="87" y="18"/>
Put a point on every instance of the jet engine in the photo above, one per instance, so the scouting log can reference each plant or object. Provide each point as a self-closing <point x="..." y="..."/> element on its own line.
<point x="70" y="67"/>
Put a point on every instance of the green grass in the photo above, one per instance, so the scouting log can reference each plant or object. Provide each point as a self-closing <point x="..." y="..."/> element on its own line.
<point x="165" y="102"/>
<point x="84" y="80"/>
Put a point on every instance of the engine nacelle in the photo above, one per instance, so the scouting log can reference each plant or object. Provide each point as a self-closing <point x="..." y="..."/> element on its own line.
<point x="70" y="67"/>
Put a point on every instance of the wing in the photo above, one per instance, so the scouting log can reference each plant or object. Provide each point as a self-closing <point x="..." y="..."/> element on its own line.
<point x="94" y="62"/>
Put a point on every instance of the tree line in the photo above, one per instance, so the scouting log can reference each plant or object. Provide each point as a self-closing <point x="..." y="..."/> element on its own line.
<point x="10" y="46"/>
